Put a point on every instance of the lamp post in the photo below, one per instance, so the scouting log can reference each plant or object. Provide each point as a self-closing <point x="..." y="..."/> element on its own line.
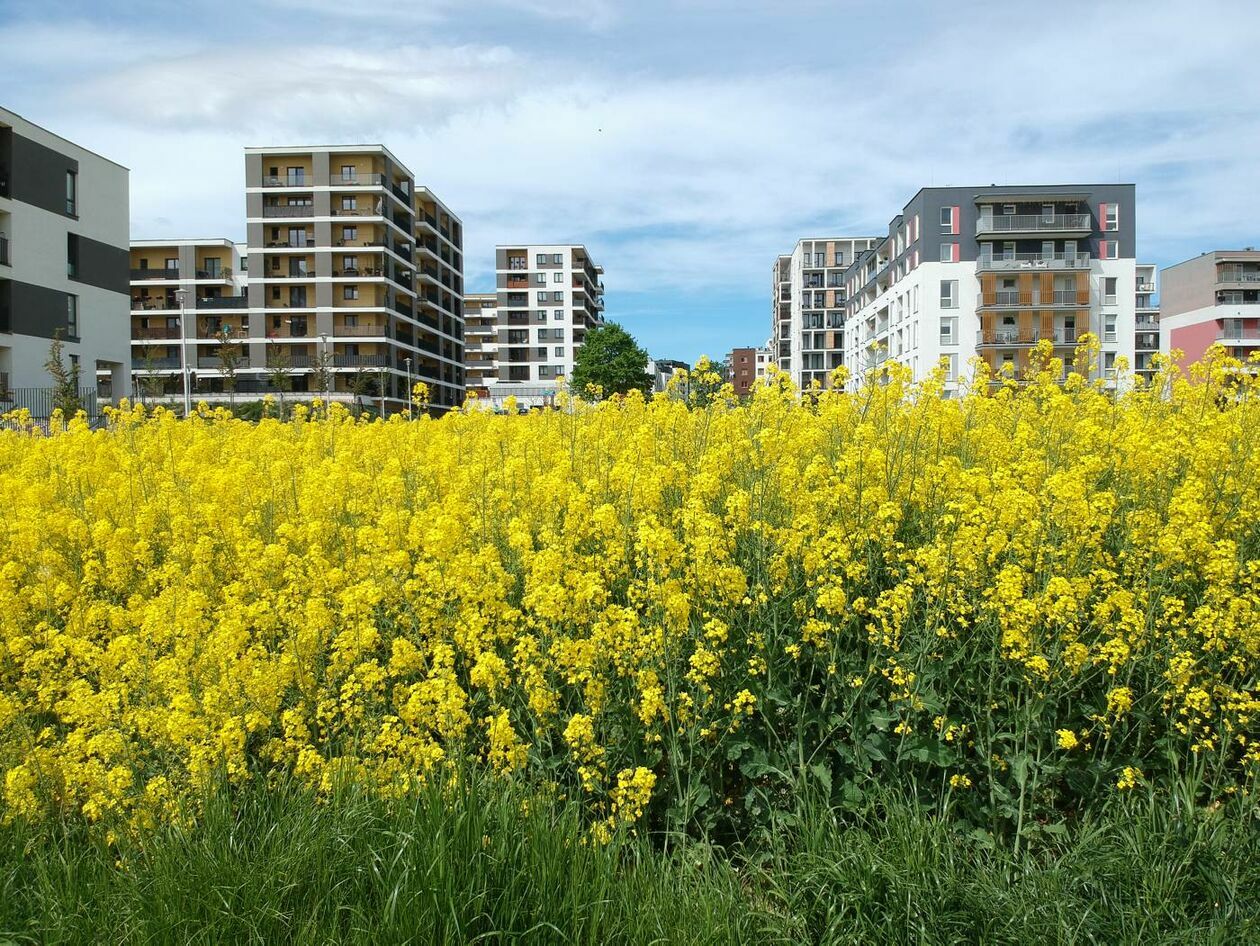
<point x="380" y="372"/>
<point x="408" y="363"/>
<point x="182" y="295"/>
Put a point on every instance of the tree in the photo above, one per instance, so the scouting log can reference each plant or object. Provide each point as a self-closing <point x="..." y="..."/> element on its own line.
<point x="611" y="361"/>
<point x="229" y="359"/>
<point x="278" y="372"/>
<point x="65" y="380"/>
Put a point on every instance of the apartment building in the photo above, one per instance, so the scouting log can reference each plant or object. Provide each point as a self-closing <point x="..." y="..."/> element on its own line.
<point x="548" y="297"/>
<point x="187" y="300"/>
<point x="742" y="365"/>
<point x="991" y="271"/>
<point x="1212" y="298"/>
<point x="356" y="275"/>
<point x="481" y="342"/>
<point x="809" y="305"/>
<point x="63" y="263"/>
<point x="663" y="370"/>
<point x="765" y="358"/>
<point x="1146" y="321"/>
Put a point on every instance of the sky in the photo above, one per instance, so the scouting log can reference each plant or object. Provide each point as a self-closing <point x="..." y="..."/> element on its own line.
<point x="686" y="144"/>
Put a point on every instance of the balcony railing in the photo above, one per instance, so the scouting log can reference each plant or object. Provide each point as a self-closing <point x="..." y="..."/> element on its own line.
<point x="211" y="362"/>
<point x="157" y="332"/>
<point x="289" y="210"/>
<point x="223" y="302"/>
<point x="154" y="305"/>
<point x="1014" y="336"/>
<point x="1238" y="275"/>
<point x="1013" y="298"/>
<point x="361" y="331"/>
<point x="1145" y="287"/>
<point x="1018" y="261"/>
<point x="1239" y="333"/>
<point x="155" y="273"/>
<point x="360" y="361"/>
<point x="298" y="180"/>
<point x="1032" y="223"/>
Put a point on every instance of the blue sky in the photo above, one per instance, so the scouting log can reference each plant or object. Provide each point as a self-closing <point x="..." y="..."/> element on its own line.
<point x="686" y="143"/>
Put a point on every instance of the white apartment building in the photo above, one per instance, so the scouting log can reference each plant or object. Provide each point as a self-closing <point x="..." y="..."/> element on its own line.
<point x="991" y="271"/>
<point x="765" y="358"/>
<point x="64" y="221"/>
<point x="807" y="321"/>
<point x="548" y="297"/>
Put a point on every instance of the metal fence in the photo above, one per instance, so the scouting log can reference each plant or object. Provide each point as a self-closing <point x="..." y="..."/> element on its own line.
<point x="39" y="401"/>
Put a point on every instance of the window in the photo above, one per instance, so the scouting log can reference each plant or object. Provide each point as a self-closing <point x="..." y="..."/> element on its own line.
<point x="1109" y="328"/>
<point x="540" y="315"/>
<point x="1110" y="284"/>
<point x="351" y="321"/>
<point x="540" y="279"/>
<point x="72" y="255"/>
<point x="542" y="259"/>
<point x="559" y="350"/>
<point x="297" y="236"/>
<point x="542" y="296"/>
<point x="1047" y="213"/>
<point x="295" y="177"/>
<point x="172" y="264"/>
<point x="349" y="203"/>
<point x="1047" y="249"/>
<point x="557" y="297"/>
<point x="349" y="233"/>
<point x="1109" y="249"/>
<point x="349" y="292"/>
<point x="558" y="314"/>
<point x="350" y="262"/>
<point x="1111" y="216"/>
<point x="72" y="316"/>
<point x="947" y="252"/>
<point x="557" y="277"/>
<point x="557" y="258"/>
<point x="542" y="351"/>
<point x="947" y="219"/>
<point x="949" y="330"/>
<point x="949" y="293"/>
<point x="349" y="172"/>
<point x="951" y="368"/>
<point x="1008" y="210"/>
<point x="72" y="193"/>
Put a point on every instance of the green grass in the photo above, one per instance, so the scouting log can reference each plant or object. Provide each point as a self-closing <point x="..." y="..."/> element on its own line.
<point x="274" y="866"/>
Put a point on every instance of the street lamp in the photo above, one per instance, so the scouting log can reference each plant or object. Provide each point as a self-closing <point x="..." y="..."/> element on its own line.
<point x="381" y="378"/>
<point x="409" y="415"/>
<point x="182" y="295"/>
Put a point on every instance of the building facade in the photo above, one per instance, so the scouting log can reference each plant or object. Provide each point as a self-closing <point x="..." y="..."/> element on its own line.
<point x="663" y="370"/>
<point x="742" y="365"/>
<point x="765" y="358"/>
<point x="1146" y="321"/>
<point x="1212" y="298"/>
<point x="356" y="278"/>
<point x="481" y="341"/>
<point x="64" y="221"/>
<point x="187" y="300"/>
<point x="989" y="272"/>
<point x="548" y="296"/>
<point x="809" y="307"/>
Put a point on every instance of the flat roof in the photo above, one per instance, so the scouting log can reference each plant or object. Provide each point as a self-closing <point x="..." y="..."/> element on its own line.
<point x="332" y="149"/>
<point x="4" y="111"/>
<point x="185" y="241"/>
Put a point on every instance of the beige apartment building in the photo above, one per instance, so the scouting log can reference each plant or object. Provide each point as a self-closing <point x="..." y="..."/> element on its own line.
<point x="1212" y="298"/>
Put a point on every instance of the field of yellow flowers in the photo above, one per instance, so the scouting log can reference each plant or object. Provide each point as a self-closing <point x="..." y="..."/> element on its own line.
<point x="1012" y="603"/>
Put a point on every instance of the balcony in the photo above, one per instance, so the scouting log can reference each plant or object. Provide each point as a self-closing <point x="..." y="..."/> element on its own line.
<point x="157" y="332"/>
<point x="1014" y="299"/>
<point x="1022" y="261"/>
<point x="1011" y="337"/>
<point x="289" y="210"/>
<point x="361" y="331"/>
<point x="1145" y="286"/>
<point x="1034" y="223"/>
<point x="517" y="263"/>
<point x="223" y="302"/>
<point x="154" y="305"/>
<point x="214" y="273"/>
<point x="295" y="180"/>
<point x="360" y="361"/>
<point x="140" y="274"/>
<point x="215" y="362"/>
<point x="1229" y="277"/>
<point x="1239" y="334"/>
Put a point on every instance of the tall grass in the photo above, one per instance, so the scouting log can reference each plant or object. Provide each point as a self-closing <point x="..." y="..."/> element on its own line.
<point x="485" y="863"/>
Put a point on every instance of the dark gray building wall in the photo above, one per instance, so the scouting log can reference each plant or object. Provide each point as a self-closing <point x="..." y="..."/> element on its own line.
<point x="38" y="175"/>
<point x="34" y="310"/>
<point x="102" y="265"/>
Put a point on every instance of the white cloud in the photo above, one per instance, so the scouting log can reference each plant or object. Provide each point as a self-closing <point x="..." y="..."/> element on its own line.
<point x="687" y="167"/>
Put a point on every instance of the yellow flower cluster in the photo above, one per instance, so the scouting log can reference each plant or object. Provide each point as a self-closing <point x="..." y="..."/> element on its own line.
<point x="646" y="599"/>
